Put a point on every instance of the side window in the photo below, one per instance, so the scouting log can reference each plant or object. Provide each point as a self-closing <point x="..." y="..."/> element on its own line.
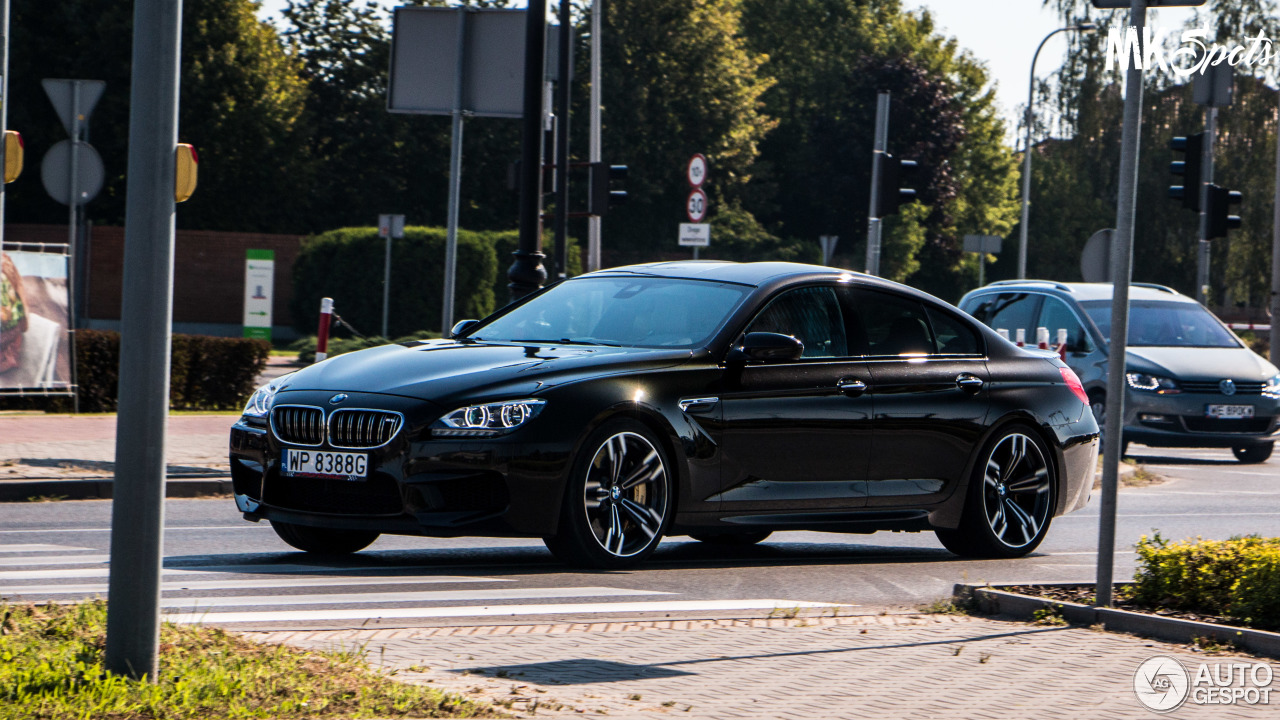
<point x="812" y="315"/>
<point x="980" y="307"/>
<point x="1056" y="315"/>
<point x="952" y="335"/>
<point x="893" y="325"/>
<point x="1014" y="311"/>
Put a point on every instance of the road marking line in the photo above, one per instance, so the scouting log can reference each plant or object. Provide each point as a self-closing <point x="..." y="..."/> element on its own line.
<point x="244" y="584"/>
<point x="37" y="547"/>
<point x="250" y="526"/>
<point x="494" y="610"/>
<point x="194" y="605"/>
<point x="54" y="560"/>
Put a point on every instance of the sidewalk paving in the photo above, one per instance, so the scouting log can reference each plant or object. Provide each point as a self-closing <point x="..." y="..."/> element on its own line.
<point x="817" y="668"/>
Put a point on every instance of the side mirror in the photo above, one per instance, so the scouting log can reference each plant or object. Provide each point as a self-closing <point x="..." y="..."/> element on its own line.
<point x="462" y="327"/>
<point x="771" y="347"/>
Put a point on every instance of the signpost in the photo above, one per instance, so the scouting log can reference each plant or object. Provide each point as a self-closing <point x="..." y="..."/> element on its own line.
<point x="828" y="247"/>
<point x="389" y="227"/>
<point x="259" y="282"/>
<point x="695" y="233"/>
<point x="1096" y="256"/>
<point x="697" y="170"/>
<point x="983" y="245"/>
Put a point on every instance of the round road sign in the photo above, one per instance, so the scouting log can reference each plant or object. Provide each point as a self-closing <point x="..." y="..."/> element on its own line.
<point x="55" y="172"/>
<point x="697" y="170"/>
<point x="696" y="205"/>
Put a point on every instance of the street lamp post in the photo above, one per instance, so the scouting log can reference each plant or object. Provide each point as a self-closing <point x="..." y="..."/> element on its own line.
<point x="1026" y="152"/>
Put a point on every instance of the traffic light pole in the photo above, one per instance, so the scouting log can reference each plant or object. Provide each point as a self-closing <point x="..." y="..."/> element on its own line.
<point x="527" y="274"/>
<point x="1275" y="266"/>
<point x="594" y="151"/>
<point x="564" y="73"/>
<point x="1206" y="165"/>
<point x="874" y="224"/>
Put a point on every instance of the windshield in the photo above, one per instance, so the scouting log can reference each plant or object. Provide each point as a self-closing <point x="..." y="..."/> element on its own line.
<point x="622" y="311"/>
<point x="1153" y="323"/>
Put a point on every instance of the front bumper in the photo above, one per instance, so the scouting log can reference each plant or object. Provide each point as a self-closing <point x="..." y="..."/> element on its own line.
<point x="1180" y="420"/>
<point x="416" y="484"/>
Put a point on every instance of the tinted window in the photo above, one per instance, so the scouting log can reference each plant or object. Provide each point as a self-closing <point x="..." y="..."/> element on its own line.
<point x="893" y="325"/>
<point x="812" y="315"/>
<point x="1055" y="315"/>
<point x="1014" y="311"/>
<point x="634" y="312"/>
<point x="1155" y="323"/>
<point x="953" y="336"/>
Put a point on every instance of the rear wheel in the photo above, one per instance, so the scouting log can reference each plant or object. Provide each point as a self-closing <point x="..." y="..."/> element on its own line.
<point x="619" y="500"/>
<point x="732" y="538"/>
<point x="1256" y="453"/>
<point x="1010" y="500"/>
<point x="324" y="541"/>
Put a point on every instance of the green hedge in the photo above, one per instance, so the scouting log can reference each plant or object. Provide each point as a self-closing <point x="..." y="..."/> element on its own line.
<point x="348" y="265"/>
<point x="206" y="373"/>
<point x="1237" y="578"/>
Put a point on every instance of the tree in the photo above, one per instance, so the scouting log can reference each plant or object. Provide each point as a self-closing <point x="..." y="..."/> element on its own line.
<point x="240" y="105"/>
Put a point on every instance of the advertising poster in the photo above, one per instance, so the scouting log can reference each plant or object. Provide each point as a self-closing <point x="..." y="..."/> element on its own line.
<point x="259" y="278"/>
<point x="35" y="349"/>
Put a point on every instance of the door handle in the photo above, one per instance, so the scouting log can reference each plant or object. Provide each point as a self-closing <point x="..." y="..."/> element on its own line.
<point x="852" y="388"/>
<point x="969" y="383"/>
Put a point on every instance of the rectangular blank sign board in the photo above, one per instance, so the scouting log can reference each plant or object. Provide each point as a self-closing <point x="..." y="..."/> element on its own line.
<point x="424" y="61"/>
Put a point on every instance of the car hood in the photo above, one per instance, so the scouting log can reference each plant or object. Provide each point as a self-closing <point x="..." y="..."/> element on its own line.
<point x="1193" y="363"/>
<point x="445" y="369"/>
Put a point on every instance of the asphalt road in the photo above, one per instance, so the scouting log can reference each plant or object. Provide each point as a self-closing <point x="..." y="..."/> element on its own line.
<point x="60" y="551"/>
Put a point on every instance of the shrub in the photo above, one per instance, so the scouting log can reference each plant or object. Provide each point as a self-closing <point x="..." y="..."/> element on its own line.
<point x="505" y="243"/>
<point x="306" y="347"/>
<point x="348" y="266"/>
<point x="1237" y="578"/>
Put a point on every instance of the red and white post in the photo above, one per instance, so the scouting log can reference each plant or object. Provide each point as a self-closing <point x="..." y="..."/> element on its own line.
<point x="322" y="333"/>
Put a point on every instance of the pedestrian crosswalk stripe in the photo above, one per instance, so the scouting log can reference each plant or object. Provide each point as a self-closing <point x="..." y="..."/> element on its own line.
<point x="36" y="547"/>
<point x="425" y="596"/>
<point x="54" y="560"/>
<point x="663" y="606"/>
<point x="31" y="592"/>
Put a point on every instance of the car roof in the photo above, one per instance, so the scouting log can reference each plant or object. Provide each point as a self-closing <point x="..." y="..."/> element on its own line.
<point x="757" y="273"/>
<point x="1084" y="292"/>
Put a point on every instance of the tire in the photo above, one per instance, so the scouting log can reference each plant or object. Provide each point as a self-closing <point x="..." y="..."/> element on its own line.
<point x="618" y="501"/>
<point x="739" y="539"/>
<point x="323" y="541"/>
<point x="1098" y="406"/>
<point x="1255" y="453"/>
<point x="1010" y="501"/>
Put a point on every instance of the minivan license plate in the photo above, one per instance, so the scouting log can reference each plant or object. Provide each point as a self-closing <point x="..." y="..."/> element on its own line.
<point x="319" y="463"/>
<point x="1229" y="412"/>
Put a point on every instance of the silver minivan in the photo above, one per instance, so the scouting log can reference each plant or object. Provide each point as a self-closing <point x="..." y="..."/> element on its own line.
<point x="1190" y="381"/>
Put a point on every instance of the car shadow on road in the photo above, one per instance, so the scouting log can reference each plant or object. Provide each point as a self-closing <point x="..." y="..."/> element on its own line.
<point x="1145" y="459"/>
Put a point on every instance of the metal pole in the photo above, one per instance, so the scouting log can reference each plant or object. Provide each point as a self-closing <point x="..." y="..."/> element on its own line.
<point x="137" y="507"/>
<point x="386" y="286"/>
<point x="1275" y="255"/>
<point x="4" y="94"/>
<point x="982" y="268"/>
<point x="526" y="274"/>
<point x="1121" y="274"/>
<point x="455" y="181"/>
<point x="1206" y="162"/>
<point x="594" y="149"/>
<point x="877" y="157"/>
<point x="564" y="73"/>
<point x="73" y="197"/>
<point x="1026" y="159"/>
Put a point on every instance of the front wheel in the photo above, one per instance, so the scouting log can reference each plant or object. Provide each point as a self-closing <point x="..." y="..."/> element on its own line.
<point x="1255" y="453"/>
<point x="619" y="499"/>
<point x="323" y="541"/>
<point x="1010" y="501"/>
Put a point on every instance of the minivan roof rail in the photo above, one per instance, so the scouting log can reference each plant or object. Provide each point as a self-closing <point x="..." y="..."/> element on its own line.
<point x="1153" y="286"/>
<point x="1057" y="285"/>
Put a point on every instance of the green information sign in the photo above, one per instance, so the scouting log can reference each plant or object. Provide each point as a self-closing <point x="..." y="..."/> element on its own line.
<point x="259" y="277"/>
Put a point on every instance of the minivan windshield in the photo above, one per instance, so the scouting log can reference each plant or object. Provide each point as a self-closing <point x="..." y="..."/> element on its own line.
<point x="1154" y="323"/>
<point x="623" y="311"/>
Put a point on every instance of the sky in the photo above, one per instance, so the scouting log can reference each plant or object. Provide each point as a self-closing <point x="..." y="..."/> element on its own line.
<point x="1003" y="34"/>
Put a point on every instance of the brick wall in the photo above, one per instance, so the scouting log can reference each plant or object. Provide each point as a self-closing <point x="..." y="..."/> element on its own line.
<point x="208" y="282"/>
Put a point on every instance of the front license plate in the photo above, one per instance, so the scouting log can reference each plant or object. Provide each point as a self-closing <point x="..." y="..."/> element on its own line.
<point x="319" y="463"/>
<point x="1229" y="412"/>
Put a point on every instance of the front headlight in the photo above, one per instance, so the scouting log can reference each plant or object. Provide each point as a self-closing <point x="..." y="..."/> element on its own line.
<point x="260" y="401"/>
<point x="1272" y="388"/>
<point x="1152" y="383"/>
<point x="487" y="420"/>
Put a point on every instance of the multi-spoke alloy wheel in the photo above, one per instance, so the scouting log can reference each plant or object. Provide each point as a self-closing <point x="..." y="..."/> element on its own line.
<point x="618" y="500"/>
<point x="1016" y="491"/>
<point x="1010" y="501"/>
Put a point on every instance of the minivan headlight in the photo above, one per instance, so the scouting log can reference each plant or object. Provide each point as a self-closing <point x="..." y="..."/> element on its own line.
<point x="1152" y="383"/>
<point x="1272" y="388"/>
<point x="489" y="419"/>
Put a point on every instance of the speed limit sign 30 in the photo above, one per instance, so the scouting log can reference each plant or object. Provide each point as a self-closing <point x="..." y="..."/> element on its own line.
<point x="696" y="206"/>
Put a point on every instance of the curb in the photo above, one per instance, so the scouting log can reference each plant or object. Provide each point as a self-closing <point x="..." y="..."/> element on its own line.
<point x="990" y="599"/>
<point x="98" y="489"/>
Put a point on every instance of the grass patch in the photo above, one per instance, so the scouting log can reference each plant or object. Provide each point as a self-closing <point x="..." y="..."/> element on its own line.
<point x="51" y="669"/>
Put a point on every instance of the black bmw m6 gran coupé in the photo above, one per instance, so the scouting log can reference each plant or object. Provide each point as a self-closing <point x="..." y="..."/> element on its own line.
<point x="719" y="400"/>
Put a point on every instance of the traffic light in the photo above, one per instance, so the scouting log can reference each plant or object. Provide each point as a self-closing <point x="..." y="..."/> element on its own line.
<point x="1220" y="202"/>
<point x="1188" y="169"/>
<point x="893" y="174"/>
<point x="602" y="196"/>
